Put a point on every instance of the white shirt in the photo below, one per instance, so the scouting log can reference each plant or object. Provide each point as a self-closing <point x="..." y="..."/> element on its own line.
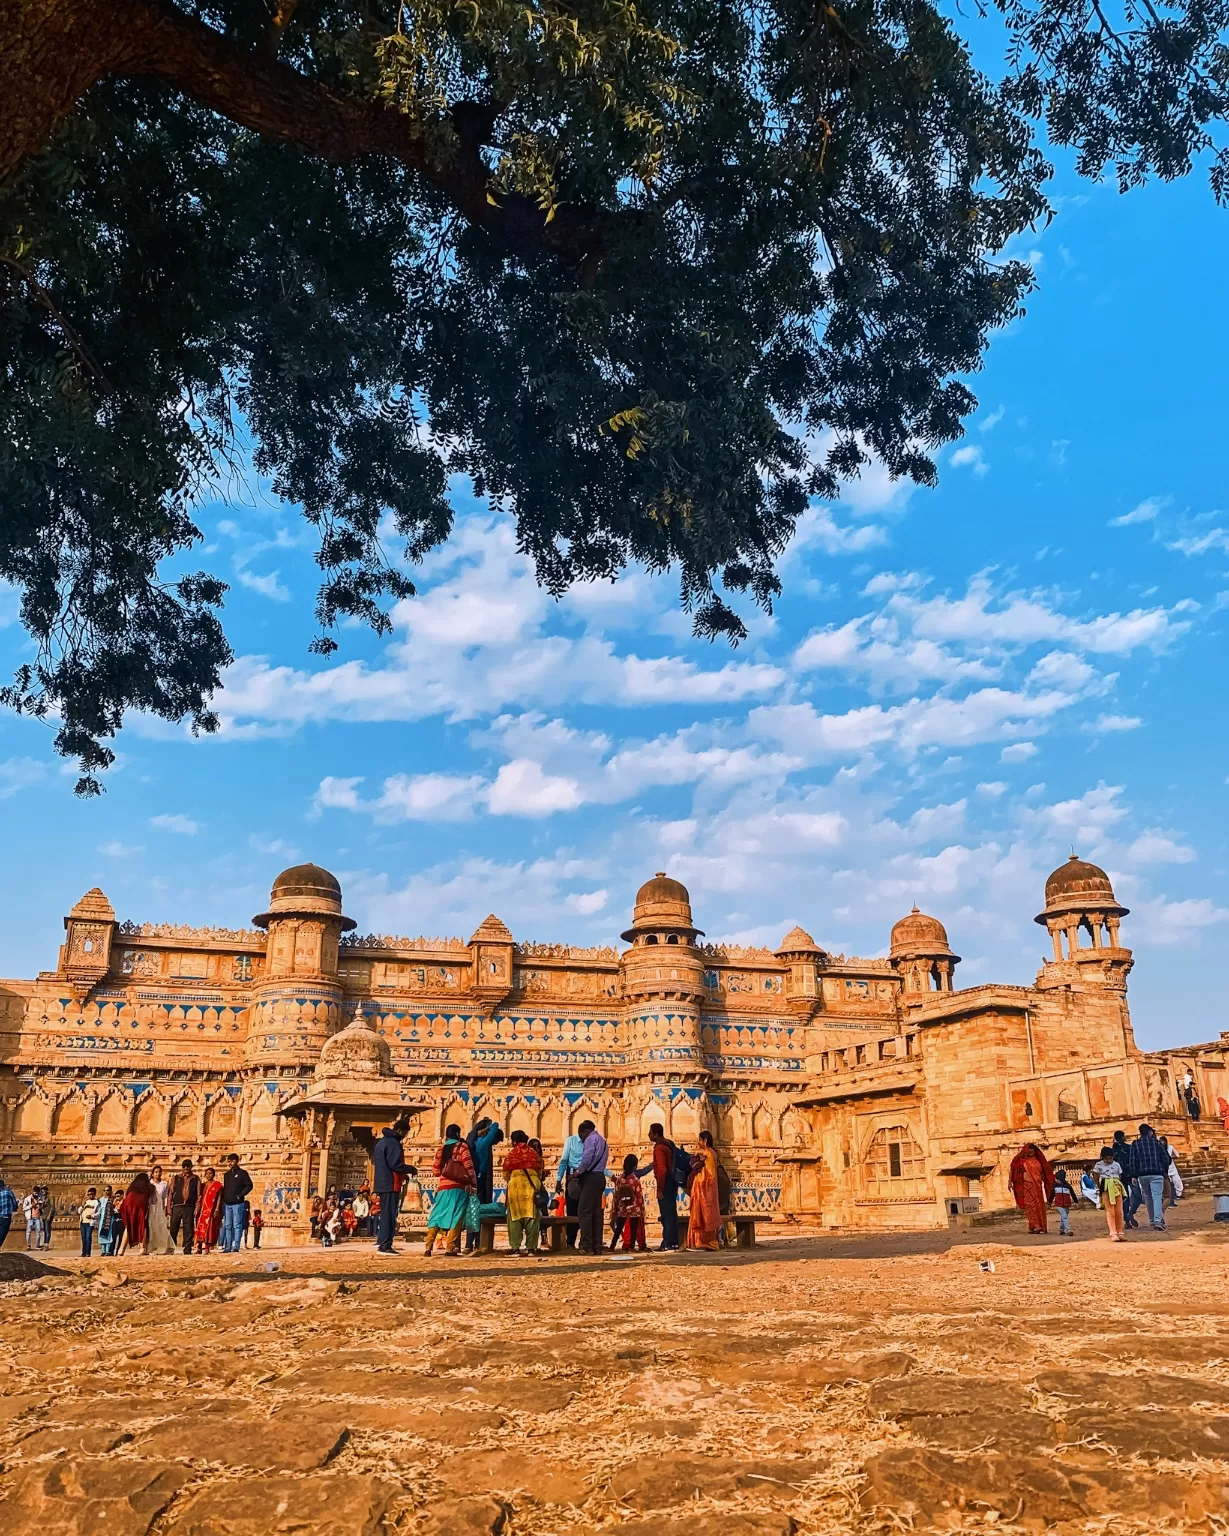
<point x="29" y="1207"/>
<point x="163" y="1189"/>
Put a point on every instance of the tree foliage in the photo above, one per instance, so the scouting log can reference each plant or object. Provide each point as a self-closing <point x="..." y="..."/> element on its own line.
<point x="655" y="275"/>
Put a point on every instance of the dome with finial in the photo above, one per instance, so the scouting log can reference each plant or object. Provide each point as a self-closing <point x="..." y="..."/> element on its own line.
<point x="356" y="1051"/>
<point x="661" y="902"/>
<point x="304" y="890"/>
<point x="918" y="934"/>
<point x="1079" y="886"/>
<point x="798" y="942"/>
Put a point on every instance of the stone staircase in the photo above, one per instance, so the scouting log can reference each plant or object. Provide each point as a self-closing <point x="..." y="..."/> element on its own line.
<point x="1207" y="1166"/>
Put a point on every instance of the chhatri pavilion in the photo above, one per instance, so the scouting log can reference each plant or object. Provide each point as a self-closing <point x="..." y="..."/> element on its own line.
<point x="842" y="1092"/>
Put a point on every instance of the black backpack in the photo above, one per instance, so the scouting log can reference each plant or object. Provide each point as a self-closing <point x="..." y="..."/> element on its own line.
<point x="680" y="1165"/>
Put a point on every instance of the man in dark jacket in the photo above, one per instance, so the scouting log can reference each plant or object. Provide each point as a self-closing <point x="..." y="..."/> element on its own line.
<point x="185" y="1194"/>
<point x="390" y="1168"/>
<point x="236" y="1187"/>
<point x="1150" y="1165"/>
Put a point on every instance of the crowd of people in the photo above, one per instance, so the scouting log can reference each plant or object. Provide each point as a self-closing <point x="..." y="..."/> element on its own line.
<point x="464" y="1172"/>
<point x="199" y="1212"/>
<point x="1128" y="1177"/>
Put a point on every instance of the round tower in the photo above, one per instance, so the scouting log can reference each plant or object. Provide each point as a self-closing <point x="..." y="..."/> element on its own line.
<point x="804" y="959"/>
<point x="920" y="952"/>
<point x="663" y="976"/>
<point x="297" y="1005"/>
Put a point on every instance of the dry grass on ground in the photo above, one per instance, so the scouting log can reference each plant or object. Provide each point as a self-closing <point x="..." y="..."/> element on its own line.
<point x="810" y="1386"/>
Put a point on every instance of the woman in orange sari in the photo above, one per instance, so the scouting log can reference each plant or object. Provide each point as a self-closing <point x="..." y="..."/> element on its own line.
<point x="209" y="1218"/>
<point x="705" y="1204"/>
<point x="1031" y="1181"/>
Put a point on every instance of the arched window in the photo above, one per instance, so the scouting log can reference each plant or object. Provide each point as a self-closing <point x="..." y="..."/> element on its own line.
<point x="894" y="1164"/>
<point x="672" y="939"/>
<point x="651" y="939"/>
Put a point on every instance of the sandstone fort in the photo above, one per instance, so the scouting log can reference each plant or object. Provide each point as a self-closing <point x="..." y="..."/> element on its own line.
<point x="852" y="1093"/>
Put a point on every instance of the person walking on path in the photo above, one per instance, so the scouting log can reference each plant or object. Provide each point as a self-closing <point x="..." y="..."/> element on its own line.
<point x="627" y="1208"/>
<point x="1031" y="1181"/>
<point x="591" y="1178"/>
<point x="1133" y="1198"/>
<point x="1193" y="1106"/>
<point x="134" y="1214"/>
<point x="1150" y="1165"/>
<point x="523" y="1173"/>
<point x="1062" y="1200"/>
<point x="209" y="1220"/>
<point x="665" y="1156"/>
<point x="389" y="1164"/>
<point x="567" y="1180"/>
<point x="236" y="1187"/>
<point x="89" y="1220"/>
<point x="8" y="1209"/>
<point x="454" y="1171"/>
<point x="185" y="1197"/>
<point x="704" y="1219"/>
<point x="1108" y="1174"/>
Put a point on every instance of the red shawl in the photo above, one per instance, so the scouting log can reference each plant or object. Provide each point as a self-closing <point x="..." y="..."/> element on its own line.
<point x="209" y="1221"/>
<point x="521" y="1155"/>
<point x="1016" y="1180"/>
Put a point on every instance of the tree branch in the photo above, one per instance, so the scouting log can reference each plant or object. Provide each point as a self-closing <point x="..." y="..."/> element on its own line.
<point x="54" y="50"/>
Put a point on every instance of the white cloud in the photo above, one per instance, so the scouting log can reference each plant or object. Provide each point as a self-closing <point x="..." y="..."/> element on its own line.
<point x="1104" y="724"/>
<point x="18" y="773"/>
<point x="970" y="457"/>
<point x="1200" y="544"/>
<point x="118" y="850"/>
<point x="587" y="902"/>
<point x="270" y="585"/>
<point x="1147" y="511"/>
<point x="273" y="847"/>
<point x="427" y="797"/>
<point x="521" y="788"/>
<point x="1156" y="847"/>
<point x="988" y="423"/>
<point x="183" y="826"/>
<point x="818" y="529"/>
<point x="1018" y="752"/>
<point x="992" y="789"/>
<point x="1177" y="922"/>
<point x="338" y="794"/>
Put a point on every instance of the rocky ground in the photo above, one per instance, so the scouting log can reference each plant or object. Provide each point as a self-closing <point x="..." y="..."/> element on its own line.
<point x="808" y="1386"/>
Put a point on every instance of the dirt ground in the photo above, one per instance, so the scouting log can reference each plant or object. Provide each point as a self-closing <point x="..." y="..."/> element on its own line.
<point x="807" y="1386"/>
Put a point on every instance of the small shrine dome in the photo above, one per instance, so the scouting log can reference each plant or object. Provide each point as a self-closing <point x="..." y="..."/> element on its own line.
<point x="661" y="902"/>
<point x="356" y="1051"/>
<point x="798" y="942"/>
<point x="304" y="890"/>
<point x="918" y="934"/>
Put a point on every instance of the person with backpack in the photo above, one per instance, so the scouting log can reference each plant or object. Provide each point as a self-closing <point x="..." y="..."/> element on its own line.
<point x="454" y="1170"/>
<point x="671" y="1167"/>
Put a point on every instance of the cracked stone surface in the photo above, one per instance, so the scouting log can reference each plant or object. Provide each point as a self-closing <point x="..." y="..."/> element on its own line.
<point x="806" y="1388"/>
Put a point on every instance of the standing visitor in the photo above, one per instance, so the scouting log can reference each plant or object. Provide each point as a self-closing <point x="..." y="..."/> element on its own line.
<point x="454" y="1171"/>
<point x="705" y="1201"/>
<point x="33" y="1214"/>
<point x="482" y="1141"/>
<point x="1193" y="1107"/>
<point x="89" y="1220"/>
<point x="110" y="1227"/>
<point x="1108" y="1174"/>
<point x="361" y="1206"/>
<point x="523" y="1173"/>
<point x="1062" y="1200"/>
<point x="1222" y="1109"/>
<point x="236" y="1187"/>
<point x="8" y="1209"/>
<point x="258" y="1226"/>
<point x="591" y="1187"/>
<point x="47" y="1210"/>
<point x="389" y="1165"/>
<point x="541" y="1199"/>
<point x="209" y="1220"/>
<point x="665" y="1159"/>
<point x="627" y="1208"/>
<point x="1031" y="1181"/>
<point x="162" y="1188"/>
<point x="567" y="1181"/>
<point x="1173" y="1180"/>
<point x="134" y="1214"/>
<point x="373" y="1215"/>
<point x="1150" y="1165"/>
<point x="159" y="1202"/>
<point x="316" y="1207"/>
<point x="185" y="1196"/>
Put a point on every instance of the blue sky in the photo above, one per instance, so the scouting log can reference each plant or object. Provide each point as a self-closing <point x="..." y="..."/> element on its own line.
<point x="957" y="688"/>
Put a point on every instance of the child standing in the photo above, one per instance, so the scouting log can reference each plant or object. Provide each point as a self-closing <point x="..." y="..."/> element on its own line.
<point x="1062" y="1200"/>
<point x="89" y="1218"/>
<point x="108" y="1222"/>
<point x="1108" y="1174"/>
<point x="258" y="1226"/>
<point x="627" y="1208"/>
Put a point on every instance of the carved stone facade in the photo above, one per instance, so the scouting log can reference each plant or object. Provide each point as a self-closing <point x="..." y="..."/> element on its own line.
<point x="850" y="1092"/>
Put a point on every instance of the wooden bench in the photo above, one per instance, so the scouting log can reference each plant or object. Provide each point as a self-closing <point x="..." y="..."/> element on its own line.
<point x="553" y="1230"/>
<point x="743" y="1224"/>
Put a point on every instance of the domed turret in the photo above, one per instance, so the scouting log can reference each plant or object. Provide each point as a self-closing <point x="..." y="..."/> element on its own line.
<point x="356" y="1051"/>
<point x="303" y="890"/>
<point x="802" y="958"/>
<point x="920" y="952"/>
<point x="1080" y="899"/>
<point x="662" y="914"/>
<point x="797" y="942"/>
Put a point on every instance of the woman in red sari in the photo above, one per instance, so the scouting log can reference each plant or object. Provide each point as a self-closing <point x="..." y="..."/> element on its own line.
<point x="704" y="1201"/>
<point x="134" y="1213"/>
<point x="209" y="1217"/>
<point x="1031" y="1181"/>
